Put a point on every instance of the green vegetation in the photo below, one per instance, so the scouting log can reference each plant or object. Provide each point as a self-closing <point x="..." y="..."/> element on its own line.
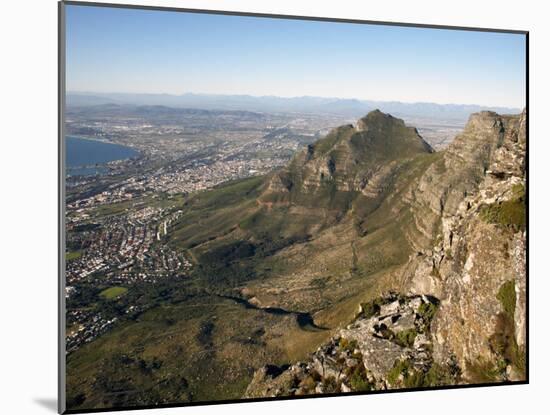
<point x="330" y="385"/>
<point x="510" y="214"/>
<point x="358" y="379"/>
<point x="399" y="370"/>
<point x="427" y="311"/>
<point x="349" y="345"/>
<point x="405" y="338"/>
<point x="439" y="375"/>
<point x="483" y="371"/>
<point x="371" y="308"/>
<point x="323" y="145"/>
<point x="113" y="292"/>
<point x="112" y="209"/>
<point x="404" y="374"/>
<point x="212" y="215"/>
<point x="177" y="347"/>
<point x="72" y="255"/>
<point x="507" y="297"/>
<point x="502" y="342"/>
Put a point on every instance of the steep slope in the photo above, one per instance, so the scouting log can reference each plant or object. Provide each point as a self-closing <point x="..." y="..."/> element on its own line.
<point x="461" y="315"/>
<point x="478" y="267"/>
<point x="334" y="215"/>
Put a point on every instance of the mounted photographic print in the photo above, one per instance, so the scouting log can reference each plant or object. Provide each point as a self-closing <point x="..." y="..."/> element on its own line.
<point x="260" y="207"/>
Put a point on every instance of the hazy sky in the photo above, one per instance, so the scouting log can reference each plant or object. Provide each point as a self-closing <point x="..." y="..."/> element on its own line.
<point x="125" y="50"/>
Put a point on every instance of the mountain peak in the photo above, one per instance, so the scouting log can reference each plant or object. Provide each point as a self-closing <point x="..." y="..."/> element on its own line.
<point x="347" y="162"/>
<point x="377" y="119"/>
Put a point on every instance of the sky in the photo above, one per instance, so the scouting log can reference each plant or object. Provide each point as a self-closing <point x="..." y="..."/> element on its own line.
<point x="144" y="51"/>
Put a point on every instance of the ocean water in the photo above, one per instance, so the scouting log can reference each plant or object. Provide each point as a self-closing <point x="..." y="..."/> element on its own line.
<point x="84" y="157"/>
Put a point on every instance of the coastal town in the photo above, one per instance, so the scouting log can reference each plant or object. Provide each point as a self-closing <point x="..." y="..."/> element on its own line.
<point x="119" y="213"/>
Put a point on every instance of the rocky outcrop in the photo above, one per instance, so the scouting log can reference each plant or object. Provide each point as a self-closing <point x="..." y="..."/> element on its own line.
<point x="398" y="330"/>
<point x="389" y="345"/>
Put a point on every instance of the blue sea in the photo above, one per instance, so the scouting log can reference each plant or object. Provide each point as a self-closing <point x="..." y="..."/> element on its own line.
<point x="85" y="157"/>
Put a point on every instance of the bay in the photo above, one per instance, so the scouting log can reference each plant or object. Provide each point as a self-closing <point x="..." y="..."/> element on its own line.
<point x="86" y="157"/>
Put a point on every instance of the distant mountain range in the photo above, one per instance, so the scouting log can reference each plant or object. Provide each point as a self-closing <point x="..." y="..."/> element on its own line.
<point x="306" y="104"/>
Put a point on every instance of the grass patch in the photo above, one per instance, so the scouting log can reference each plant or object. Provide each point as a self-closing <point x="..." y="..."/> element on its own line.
<point x="72" y="255"/>
<point x="439" y="375"/>
<point x="349" y="345"/>
<point x="503" y="341"/>
<point x="507" y="297"/>
<point x="427" y="311"/>
<point x="510" y="214"/>
<point x="483" y="371"/>
<point x="371" y="308"/>
<point x="113" y="292"/>
<point x="112" y="208"/>
<point x="405" y="338"/>
<point x="358" y="379"/>
<point x="330" y="385"/>
<point x="399" y="370"/>
<point x="403" y="373"/>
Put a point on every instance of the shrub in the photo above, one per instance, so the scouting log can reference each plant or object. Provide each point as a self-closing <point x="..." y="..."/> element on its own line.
<point x="519" y="359"/>
<point x="507" y="297"/>
<point x="482" y="371"/>
<point x="414" y="379"/>
<point x="319" y="282"/>
<point x="346" y="344"/>
<point x="371" y="308"/>
<point x="503" y="344"/>
<point x="330" y="385"/>
<point x="427" y="311"/>
<point x="510" y="213"/>
<point x="405" y="338"/>
<point x="358" y="379"/>
<point x="438" y="375"/>
<point x="400" y="367"/>
<point x="503" y="340"/>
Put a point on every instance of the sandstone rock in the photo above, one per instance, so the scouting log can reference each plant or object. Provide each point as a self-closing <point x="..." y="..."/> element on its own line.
<point x="390" y="308"/>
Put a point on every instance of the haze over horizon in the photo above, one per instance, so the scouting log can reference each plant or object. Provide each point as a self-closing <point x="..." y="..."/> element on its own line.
<point x="362" y="99"/>
<point x="155" y="52"/>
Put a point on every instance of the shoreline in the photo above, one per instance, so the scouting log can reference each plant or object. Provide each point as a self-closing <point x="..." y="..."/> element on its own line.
<point x="103" y="165"/>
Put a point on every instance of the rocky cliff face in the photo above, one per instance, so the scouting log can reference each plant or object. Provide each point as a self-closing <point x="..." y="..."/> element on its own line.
<point x="460" y="314"/>
<point x="477" y="267"/>
<point x="350" y="159"/>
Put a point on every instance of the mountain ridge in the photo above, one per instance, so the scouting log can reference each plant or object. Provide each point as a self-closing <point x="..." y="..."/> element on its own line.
<point x="307" y="104"/>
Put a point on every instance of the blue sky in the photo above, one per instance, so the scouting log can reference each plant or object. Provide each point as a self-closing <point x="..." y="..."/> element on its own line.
<point x="129" y="50"/>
